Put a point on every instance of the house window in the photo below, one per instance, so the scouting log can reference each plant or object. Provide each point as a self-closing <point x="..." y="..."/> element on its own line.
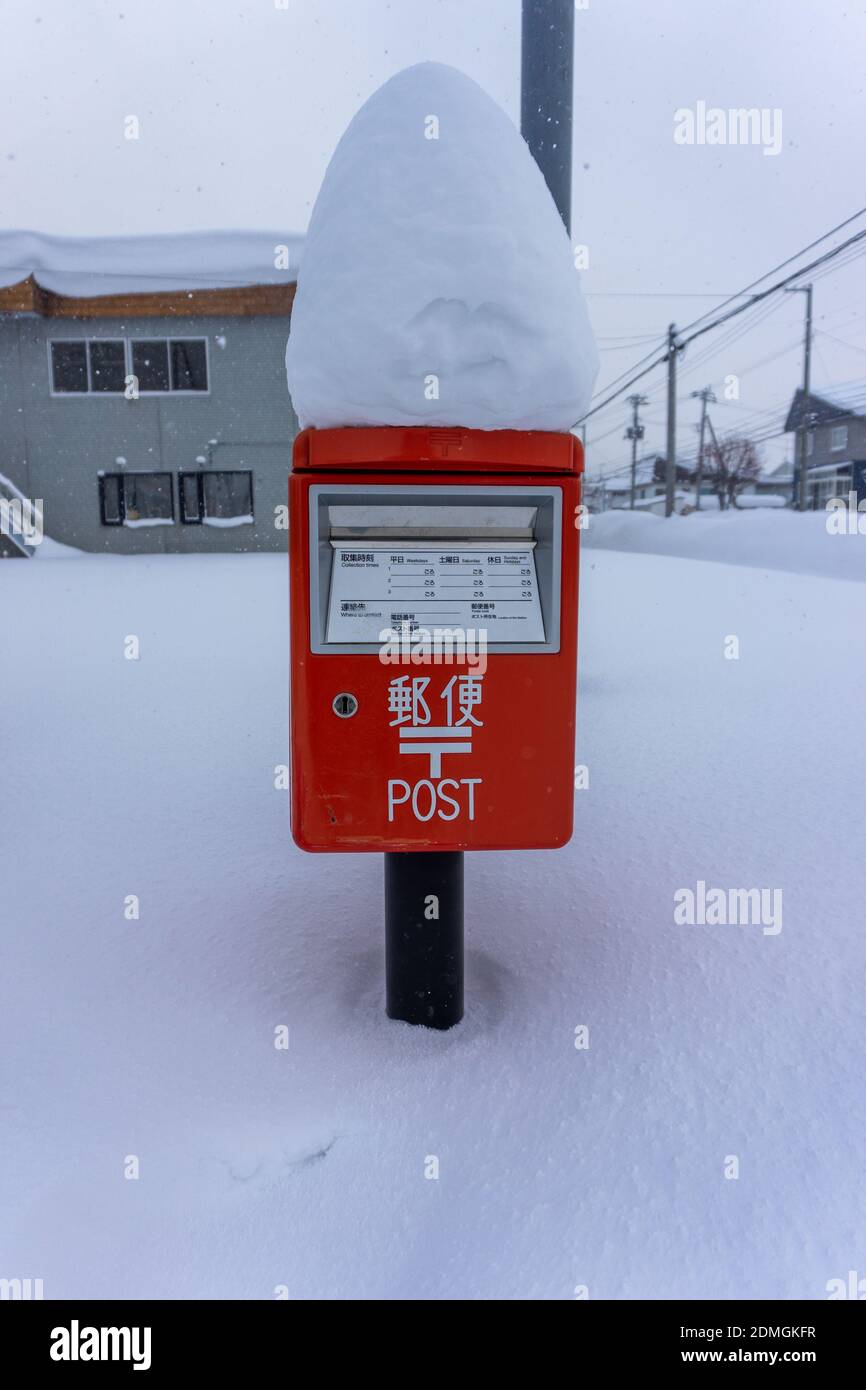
<point x="136" y="499"/>
<point x="188" y="364"/>
<point x="170" y="364"/>
<point x="107" y="364"/>
<point x="228" y="498"/>
<point x="150" y="364"/>
<point x="147" y="499"/>
<point x="839" y="437"/>
<point x="810" y="442"/>
<point x="69" y="367"/>
<point x="830" y="485"/>
<point x="217" y="498"/>
<point x="87" y="365"/>
<point x="111" y="499"/>
<point x="190" y="498"/>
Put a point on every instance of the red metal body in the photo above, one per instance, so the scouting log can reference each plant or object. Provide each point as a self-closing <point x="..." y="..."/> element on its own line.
<point x="516" y="790"/>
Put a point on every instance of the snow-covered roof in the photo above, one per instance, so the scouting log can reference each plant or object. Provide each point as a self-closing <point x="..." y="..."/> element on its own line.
<point x="852" y="401"/>
<point x="825" y="470"/>
<point x="784" y="471"/>
<point x="84" y="267"/>
<point x="821" y="408"/>
<point x="645" y="474"/>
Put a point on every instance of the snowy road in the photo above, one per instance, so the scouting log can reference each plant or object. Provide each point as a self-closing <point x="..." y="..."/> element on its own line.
<point x="559" y="1167"/>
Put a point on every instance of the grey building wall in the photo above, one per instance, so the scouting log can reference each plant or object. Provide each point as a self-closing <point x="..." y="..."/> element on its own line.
<point x="855" y="447"/>
<point x="55" y="447"/>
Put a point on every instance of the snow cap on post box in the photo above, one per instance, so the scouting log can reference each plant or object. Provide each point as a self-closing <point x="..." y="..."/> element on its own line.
<point x="437" y="284"/>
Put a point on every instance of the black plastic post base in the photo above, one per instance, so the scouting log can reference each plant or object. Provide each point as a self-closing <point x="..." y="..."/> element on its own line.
<point x="424" y="938"/>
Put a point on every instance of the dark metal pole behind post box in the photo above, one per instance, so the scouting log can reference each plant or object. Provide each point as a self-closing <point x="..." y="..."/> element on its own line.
<point x="424" y="937"/>
<point x="546" y="87"/>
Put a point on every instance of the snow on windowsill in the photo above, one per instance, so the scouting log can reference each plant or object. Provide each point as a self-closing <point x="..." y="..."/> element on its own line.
<point x="226" y="521"/>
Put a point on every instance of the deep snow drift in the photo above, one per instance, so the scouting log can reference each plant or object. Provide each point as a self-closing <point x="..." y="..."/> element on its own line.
<point x="437" y="283"/>
<point x="305" y="1168"/>
<point x="778" y="540"/>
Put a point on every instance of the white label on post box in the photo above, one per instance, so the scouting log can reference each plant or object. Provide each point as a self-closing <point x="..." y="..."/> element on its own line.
<point x="382" y="585"/>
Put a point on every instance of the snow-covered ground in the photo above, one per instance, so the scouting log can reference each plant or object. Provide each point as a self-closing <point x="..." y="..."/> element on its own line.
<point x="767" y="539"/>
<point x="305" y="1168"/>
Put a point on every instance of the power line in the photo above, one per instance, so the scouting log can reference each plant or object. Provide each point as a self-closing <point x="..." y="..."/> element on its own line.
<point x="773" y="289"/>
<point x="782" y="264"/>
<point x="679" y="342"/>
<point x="822" y="332"/>
<point x="757" y="315"/>
<point x="619" y="391"/>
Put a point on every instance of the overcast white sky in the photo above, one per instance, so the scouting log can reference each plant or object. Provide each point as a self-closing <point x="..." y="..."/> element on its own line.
<point x="241" y="104"/>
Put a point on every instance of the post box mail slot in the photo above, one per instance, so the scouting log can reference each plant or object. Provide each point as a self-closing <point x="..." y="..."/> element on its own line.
<point x="434" y="557"/>
<point x="434" y="626"/>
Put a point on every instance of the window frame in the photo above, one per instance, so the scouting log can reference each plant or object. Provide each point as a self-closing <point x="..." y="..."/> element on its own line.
<point x="183" y="474"/>
<point x="830" y="484"/>
<point x="130" y="343"/>
<point x="168" y="339"/>
<point x="85" y="395"/>
<point x="185" y="392"/>
<point x="102" y="479"/>
<point x="835" y="429"/>
<point x="200" y="474"/>
<point x="138" y="473"/>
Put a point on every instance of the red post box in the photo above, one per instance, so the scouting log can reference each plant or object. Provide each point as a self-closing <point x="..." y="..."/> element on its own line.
<point x="402" y="745"/>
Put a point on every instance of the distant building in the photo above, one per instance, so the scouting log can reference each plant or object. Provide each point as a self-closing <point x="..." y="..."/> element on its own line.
<point x="143" y="389"/>
<point x="647" y="482"/>
<point x="650" y="485"/>
<point x="835" y="447"/>
<point x="778" y="483"/>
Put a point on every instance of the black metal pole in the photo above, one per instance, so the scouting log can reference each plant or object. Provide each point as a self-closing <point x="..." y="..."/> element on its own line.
<point x="546" y="93"/>
<point x="424" y="938"/>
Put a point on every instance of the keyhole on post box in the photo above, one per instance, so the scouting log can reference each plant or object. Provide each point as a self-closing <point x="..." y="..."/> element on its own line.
<point x="344" y="705"/>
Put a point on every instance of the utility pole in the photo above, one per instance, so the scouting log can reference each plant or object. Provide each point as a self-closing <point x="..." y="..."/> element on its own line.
<point x="635" y="432"/>
<point x="546" y="93"/>
<point x="804" y="428"/>
<point x="721" y="496"/>
<point x="671" y="468"/>
<point x="704" y="395"/>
